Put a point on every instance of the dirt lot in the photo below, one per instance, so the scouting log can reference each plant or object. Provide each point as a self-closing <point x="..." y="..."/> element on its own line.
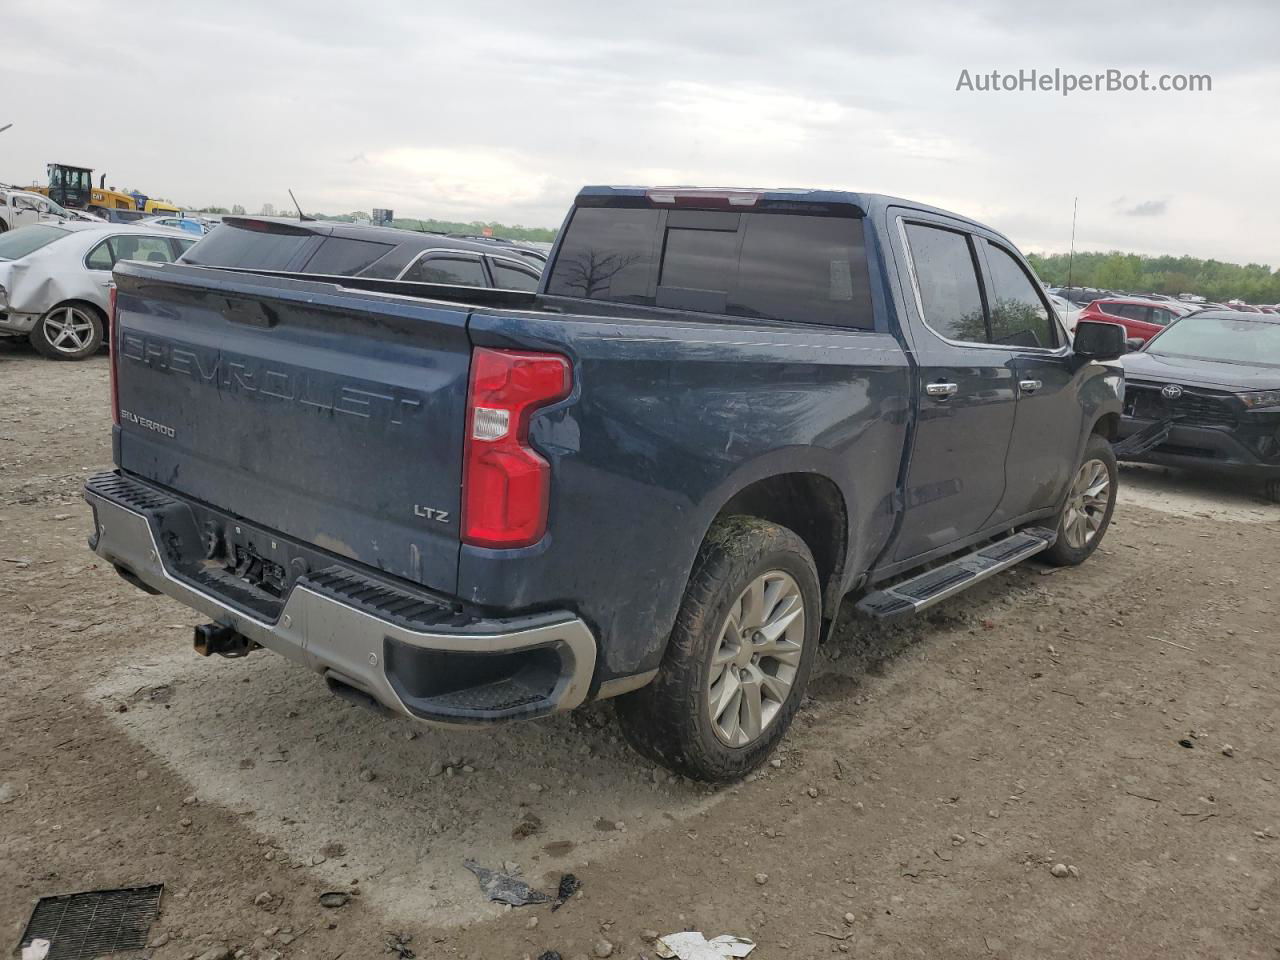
<point x="940" y="771"/>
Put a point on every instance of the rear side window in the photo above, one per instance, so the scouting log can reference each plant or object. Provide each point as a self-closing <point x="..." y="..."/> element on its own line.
<point x="772" y="266"/>
<point x="1019" y="316"/>
<point x="948" y="280"/>
<point x="230" y="246"/>
<point x="458" y="269"/>
<point x="512" y="276"/>
<point x="345" y="257"/>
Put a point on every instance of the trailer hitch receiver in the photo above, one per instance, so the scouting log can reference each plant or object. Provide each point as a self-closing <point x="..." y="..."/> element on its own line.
<point x="211" y="638"/>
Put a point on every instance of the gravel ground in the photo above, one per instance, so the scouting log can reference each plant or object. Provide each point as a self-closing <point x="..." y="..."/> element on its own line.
<point x="941" y="772"/>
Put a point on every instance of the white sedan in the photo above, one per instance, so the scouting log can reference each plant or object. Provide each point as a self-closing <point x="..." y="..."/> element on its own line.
<point x="55" y="280"/>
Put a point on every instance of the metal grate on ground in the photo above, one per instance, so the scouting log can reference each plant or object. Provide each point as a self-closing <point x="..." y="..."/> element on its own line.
<point x="82" y="926"/>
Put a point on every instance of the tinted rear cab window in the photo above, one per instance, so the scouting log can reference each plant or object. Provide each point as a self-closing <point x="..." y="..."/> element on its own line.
<point x="780" y="266"/>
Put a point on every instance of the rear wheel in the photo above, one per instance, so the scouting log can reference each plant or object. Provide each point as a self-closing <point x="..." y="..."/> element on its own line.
<point x="1273" y="491"/>
<point x="1090" y="503"/>
<point x="70" y="331"/>
<point x="738" y="659"/>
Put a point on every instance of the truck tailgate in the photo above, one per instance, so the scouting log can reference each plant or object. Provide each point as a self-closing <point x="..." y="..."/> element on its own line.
<point x="330" y="415"/>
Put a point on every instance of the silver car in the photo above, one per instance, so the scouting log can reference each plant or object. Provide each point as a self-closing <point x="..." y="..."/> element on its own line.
<point x="55" y="280"/>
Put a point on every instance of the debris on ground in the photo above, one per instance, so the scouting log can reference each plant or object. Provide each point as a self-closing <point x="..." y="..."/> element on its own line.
<point x="335" y="898"/>
<point x="530" y="823"/>
<point x="569" y="885"/>
<point x="504" y="888"/>
<point x="692" y="945"/>
<point x="549" y="955"/>
<point x="398" y="943"/>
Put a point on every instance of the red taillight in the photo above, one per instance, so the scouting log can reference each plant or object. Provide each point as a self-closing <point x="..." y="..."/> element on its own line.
<point x="113" y="334"/>
<point x="505" y="483"/>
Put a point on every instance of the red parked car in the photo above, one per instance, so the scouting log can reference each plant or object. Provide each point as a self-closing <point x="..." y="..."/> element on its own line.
<point x="1140" y="318"/>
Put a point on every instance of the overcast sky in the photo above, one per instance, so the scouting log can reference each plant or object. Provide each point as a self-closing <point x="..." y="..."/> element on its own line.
<point x="479" y="110"/>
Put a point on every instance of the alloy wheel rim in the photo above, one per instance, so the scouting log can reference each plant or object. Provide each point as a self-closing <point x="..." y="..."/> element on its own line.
<point x="1087" y="504"/>
<point x="68" y="330"/>
<point x="756" y="658"/>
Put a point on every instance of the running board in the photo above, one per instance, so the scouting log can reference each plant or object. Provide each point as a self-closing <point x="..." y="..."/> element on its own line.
<point x="936" y="585"/>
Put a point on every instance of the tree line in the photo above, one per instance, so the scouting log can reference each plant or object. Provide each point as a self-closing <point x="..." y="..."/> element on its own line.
<point x="1136" y="273"/>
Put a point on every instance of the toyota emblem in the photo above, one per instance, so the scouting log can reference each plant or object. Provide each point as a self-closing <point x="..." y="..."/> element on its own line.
<point x="1171" y="391"/>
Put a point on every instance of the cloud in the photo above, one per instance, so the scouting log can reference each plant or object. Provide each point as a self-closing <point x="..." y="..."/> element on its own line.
<point x="498" y="111"/>
<point x="1147" y="208"/>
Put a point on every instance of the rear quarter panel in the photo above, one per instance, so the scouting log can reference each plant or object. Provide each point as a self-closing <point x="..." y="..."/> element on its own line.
<point x="667" y="420"/>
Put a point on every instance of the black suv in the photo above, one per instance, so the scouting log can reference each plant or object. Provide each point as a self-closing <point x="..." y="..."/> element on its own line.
<point x="356" y="250"/>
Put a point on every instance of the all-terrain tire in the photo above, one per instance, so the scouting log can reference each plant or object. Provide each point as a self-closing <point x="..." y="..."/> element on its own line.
<point x="670" y="721"/>
<point x="1068" y="550"/>
<point x="1273" y="491"/>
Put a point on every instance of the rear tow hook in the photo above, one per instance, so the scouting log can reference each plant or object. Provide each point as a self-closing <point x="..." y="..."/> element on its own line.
<point x="211" y="638"/>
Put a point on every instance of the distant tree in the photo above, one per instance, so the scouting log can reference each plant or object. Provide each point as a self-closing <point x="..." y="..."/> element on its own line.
<point x="237" y="210"/>
<point x="1135" y="273"/>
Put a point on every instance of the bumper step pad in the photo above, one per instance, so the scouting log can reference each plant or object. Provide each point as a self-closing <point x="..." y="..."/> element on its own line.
<point x="926" y="589"/>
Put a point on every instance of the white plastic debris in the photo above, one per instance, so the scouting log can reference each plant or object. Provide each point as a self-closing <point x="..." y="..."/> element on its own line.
<point x="692" y="945"/>
<point x="37" y="950"/>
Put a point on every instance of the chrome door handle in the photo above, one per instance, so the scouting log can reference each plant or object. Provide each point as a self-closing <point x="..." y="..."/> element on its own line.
<point x="1029" y="386"/>
<point x="941" y="390"/>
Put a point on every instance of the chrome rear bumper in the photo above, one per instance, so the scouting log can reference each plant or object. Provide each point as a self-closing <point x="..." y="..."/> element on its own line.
<point x="526" y="667"/>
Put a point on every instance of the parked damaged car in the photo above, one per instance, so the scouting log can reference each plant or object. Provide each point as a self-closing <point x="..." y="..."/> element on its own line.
<point x="1205" y="395"/>
<point x="55" y="280"/>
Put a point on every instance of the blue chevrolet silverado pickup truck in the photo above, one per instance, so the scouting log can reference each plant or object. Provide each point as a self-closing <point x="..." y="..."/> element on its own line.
<point x="654" y="479"/>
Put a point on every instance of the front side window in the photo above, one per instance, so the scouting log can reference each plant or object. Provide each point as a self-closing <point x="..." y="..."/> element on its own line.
<point x="948" y="280"/>
<point x="458" y="269"/>
<point x="1018" y="314"/>
<point x="148" y="249"/>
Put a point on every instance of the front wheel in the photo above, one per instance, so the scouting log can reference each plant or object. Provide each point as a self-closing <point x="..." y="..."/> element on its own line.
<point x="70" y="331"/>
<point x="1273" y="491"/>
<point x="1090" y="503"/>
<point x="738" y="660"/>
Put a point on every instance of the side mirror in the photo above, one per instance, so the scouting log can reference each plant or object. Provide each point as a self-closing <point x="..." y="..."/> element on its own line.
<point x="1096" y="340"/>
<point x="1134" y="344"/>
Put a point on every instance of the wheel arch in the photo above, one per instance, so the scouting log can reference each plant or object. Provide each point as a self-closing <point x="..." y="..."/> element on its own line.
<point x="1108" y="426"/>
<point x="811" y="505"/>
